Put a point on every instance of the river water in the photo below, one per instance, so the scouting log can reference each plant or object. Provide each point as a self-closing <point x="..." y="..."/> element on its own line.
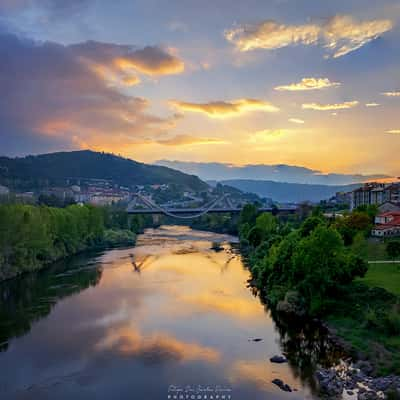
<point x="170" y="318"/>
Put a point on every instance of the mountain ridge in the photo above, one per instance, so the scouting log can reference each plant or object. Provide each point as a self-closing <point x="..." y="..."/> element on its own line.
<point x="274" y="172"/>
<point x="288" y="192"/>
<point x="87" y="164"/>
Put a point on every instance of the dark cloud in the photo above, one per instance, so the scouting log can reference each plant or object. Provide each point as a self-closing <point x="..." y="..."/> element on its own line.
<point x="69" y="95"/>
<point x="52" y="8"/>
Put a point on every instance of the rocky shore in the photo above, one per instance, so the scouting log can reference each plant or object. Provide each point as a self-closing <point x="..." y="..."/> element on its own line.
<point x="355" y="381"/>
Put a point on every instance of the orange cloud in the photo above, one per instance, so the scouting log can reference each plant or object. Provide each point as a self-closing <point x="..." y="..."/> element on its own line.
<point x="266" y="134"/>
<point x="151" y="61"/>
<point x="394" y="131"/>
<point x="372" y="105"/>
<point x="392" y="94"/>
<point x="329" y="107"/>
<point x="225" y="109"/>
<point x="340" y="34"/>
<point x="183" y="140"/>
<point x="309" y="84"/>
<point x="296" y="120"/>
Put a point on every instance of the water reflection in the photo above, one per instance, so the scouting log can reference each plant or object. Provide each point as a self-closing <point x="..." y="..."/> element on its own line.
<point x="28" y="298"/>
<point x="174" y="310"/>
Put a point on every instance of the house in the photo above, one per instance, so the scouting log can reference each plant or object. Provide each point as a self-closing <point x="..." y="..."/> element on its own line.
<point x="375" y="193"/>
<point x="387" y="224"/>
<point x="389" y="206"/>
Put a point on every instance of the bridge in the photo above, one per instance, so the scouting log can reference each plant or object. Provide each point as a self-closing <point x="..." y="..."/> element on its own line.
<point x="140" y="205"/>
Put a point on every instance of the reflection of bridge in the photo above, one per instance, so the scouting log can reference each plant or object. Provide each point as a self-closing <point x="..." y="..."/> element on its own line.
<point x="142" y="205"/>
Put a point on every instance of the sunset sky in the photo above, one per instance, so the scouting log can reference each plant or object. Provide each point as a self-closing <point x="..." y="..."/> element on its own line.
<point x="301" y="82"/>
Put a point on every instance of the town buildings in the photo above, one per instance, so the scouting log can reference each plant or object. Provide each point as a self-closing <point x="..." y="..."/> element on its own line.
<point x="387" y="224"/>
<point x="375" y="193"/>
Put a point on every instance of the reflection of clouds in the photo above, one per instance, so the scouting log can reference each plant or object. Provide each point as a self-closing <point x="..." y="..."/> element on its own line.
<point x="156" y="348"/>
<point x="259" y="373"/>
<point x="224" y="303"/>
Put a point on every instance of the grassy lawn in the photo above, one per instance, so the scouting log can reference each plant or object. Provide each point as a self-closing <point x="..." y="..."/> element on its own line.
<point x="372" y="249"/>
<point x="376" y="250"/>
<point x="386" y="276"/>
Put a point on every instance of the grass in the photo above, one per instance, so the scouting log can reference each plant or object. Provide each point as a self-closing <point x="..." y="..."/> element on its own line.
<point x="386" y="276"/>
<point x="367" y="318"/>
<point x="376" y="250"/>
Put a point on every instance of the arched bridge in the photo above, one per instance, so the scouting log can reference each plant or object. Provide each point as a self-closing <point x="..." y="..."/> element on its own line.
<point x="142" y="205"/>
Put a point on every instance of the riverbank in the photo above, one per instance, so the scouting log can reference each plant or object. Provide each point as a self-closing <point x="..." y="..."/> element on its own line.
<point x="307" y="271"/>
<point x="33" y="237"/>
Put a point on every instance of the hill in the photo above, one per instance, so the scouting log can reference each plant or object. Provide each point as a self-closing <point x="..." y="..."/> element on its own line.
<point x="289" y="192"/>
<point x="41" y="170"/>
<point x="275" y="172"/>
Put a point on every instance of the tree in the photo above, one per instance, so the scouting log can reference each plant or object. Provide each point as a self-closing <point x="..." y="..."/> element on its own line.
<point x="267" y="223"/>
<point x="322" y="265"/>
<point x="248" y="214"/>
<point x="393" y="249"/>
<point x="310" y="224"/>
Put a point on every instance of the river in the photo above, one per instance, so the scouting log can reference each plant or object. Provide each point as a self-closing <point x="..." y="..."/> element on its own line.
<point x="171" y="317"/>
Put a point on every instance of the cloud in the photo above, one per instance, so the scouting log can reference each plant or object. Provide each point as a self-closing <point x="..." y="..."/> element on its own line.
<point x="394" y="131"/>
<point x="225" y="109"/>
<point x="54" y="96"/>
<point x="329" y="107"/>
<point x="151" y="61"/>
<point x="296" y="120"/>
<point x="183" y="140"/>
<point x="266" y="134"/>
<point x="271" y="35"/>
<point x="309" y="84"/>
<point x="126" y="60"/>
<point x="339" y="35"/>
<point x="392" y="94"/>
<point x="372" y="105"/>
<point x="54" y="9"/>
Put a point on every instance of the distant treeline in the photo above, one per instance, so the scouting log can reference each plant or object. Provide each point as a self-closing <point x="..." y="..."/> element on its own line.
<point x="34" y="236"/>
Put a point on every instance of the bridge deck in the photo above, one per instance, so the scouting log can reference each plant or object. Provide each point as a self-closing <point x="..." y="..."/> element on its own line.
<point x="187" y="211"/>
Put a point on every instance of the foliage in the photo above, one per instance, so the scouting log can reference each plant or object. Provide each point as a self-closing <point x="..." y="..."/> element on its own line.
<point x="354" y="223"/>
<point x="311" y="260"/>
<point x="383" y="275"/>
<point x="33" y="236"/>
<point x="118" y="237"/>
<point x="35" y="172"/>
<point x="393" y="249"/>
<point x="319" y="268"/>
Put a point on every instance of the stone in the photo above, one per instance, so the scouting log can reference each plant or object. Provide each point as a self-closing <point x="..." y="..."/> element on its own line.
<point x="282" y="385"/>
<point x="278" y="359"/>
<point x="330" y="384"/>
<point x="368" y="396"/>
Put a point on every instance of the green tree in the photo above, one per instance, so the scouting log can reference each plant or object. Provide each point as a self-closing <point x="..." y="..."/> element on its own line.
<point x="393" y="249"/>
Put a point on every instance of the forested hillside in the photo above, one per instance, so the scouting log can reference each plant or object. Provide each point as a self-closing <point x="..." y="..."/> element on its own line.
<point x="37" y="171"/>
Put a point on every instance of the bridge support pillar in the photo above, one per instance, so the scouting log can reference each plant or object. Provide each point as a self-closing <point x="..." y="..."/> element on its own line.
<point x="156" y="219"/>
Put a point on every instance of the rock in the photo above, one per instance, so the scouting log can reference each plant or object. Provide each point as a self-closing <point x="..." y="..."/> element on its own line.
<point x="368" y="396"/>
<point x="278" y="359"/>
<point x="283" y="386"/>
<point x="381" y="384"/>
<point x="330" y="384"/>
<point x="364" y="366"/>
<point x="350" y="392"/>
